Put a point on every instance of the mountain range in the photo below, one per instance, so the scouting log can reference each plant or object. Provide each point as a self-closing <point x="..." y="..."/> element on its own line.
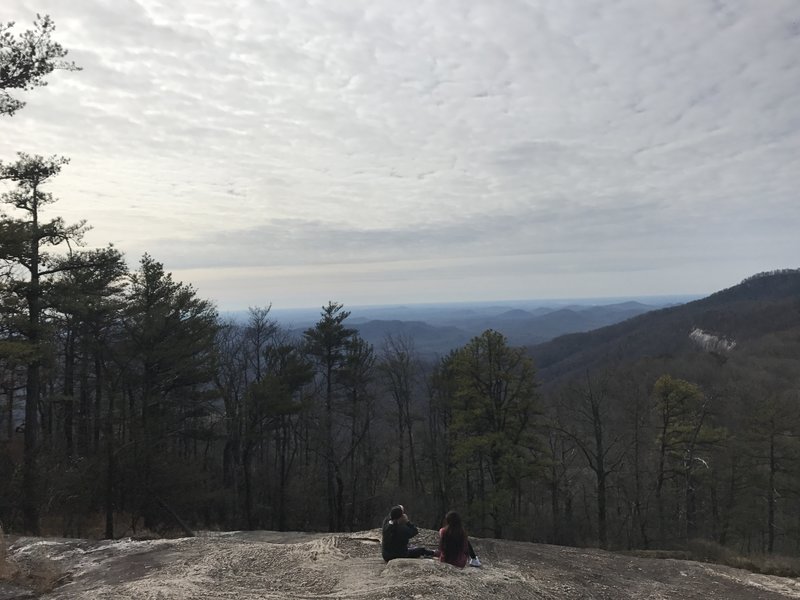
<point x="439" y="335"/>
<point x="568" y="336"/>
<point x="436" y="329"/>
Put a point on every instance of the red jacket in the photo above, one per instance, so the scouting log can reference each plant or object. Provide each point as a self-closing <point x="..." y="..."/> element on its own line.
<point x="460" y="560"/>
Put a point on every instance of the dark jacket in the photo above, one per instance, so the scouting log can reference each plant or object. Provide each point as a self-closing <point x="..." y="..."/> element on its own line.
<point x="395" y="539"/>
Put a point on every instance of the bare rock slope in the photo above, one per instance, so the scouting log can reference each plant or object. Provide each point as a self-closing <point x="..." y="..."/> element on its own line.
<point x="269" y="565"/>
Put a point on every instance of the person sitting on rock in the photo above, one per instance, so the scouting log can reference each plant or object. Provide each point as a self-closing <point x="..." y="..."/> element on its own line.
<point x="397" y="531"/>
<point x="454" y="545"/>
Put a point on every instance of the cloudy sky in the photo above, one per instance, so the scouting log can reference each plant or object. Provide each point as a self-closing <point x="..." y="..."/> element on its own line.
<point x="297" y="151"/>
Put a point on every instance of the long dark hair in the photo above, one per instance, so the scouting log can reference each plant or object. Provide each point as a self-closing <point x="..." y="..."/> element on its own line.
<point x="454" y="536"/>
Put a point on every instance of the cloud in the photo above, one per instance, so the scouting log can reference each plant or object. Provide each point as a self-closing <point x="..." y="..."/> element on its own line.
<point x="296" y="133"/>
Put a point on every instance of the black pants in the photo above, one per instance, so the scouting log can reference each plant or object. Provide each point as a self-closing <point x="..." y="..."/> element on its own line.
<point x="413" y="552"/>
<point x="418" y="551"/>
<point x="470" y="550"/>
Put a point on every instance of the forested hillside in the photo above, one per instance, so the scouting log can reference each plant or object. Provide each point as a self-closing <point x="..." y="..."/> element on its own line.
<point x="762" y="304"/>
<point x="685" y="420"/>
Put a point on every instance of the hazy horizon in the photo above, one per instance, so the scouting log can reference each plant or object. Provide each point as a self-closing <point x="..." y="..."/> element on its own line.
<point x="396" y="310"/>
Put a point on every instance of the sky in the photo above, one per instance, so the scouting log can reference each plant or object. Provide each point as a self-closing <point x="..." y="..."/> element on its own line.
<point x="380" y="152"/>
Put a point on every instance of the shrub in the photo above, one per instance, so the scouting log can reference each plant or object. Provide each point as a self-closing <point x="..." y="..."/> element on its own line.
<point x="708" y="551"/>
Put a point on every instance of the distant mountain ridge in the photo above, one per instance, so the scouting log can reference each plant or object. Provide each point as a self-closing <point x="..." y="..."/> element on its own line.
<point x="521" y="327"/>
<point x="436" y="329"/>
<point x="759" y="305"/>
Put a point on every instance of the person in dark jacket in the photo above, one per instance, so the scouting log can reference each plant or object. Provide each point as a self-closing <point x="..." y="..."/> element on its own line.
<point x="397" y="532"/>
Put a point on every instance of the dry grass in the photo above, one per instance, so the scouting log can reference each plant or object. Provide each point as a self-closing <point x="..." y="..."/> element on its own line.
<point x="37" y="574"/>
<point x="676" y="554"/>
<point x="711" y="552"/>
<point x="785" y="566"/>
<point x="8" y="570"/>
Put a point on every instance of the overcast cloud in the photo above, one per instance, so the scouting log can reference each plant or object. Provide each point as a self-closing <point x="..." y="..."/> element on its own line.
<point x="296" y="151"/>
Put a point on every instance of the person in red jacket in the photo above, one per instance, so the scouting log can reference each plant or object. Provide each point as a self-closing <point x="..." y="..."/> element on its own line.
<point x="454" y="545"/>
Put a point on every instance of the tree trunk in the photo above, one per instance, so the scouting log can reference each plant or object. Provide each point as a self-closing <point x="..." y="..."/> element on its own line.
<point x="339" y="500"/>
<point x="415" y="478"/>
<point x="84" y="407"/>
<point x="110" y="466"/>
<point x="30" y="475"/>
<point x="248" y="491"/>
<point x="554" y="507"/>
<point x="639" y="520"/>
<point x="400" y="446"/>
<point x="330" y="463"/>
<point x="601" y="474"/>
<point x="771" y="493"/>
<point x="601" y="511"/>
<point x="284" y="473"/>
<point x="691" y="512"/>
<point x="10" y="391"/>
<point x="69" y="391"/>
<point x="98" y="393"/>
<point x="662" y="528"/>
<point x="351" y="518"/>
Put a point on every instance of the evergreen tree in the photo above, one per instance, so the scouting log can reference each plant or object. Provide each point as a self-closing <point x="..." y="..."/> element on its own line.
<point x="326" y="345"/>
<point x="494" y="410"/>
<point x="27" y="59"/>
<point x="168" y="361"/>
<point x="26" y="244"/>
<point x="684" y="429"/>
